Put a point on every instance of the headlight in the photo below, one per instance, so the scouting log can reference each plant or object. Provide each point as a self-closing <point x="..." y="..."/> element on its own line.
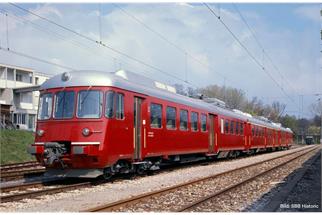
<point x="86" y="132"/>
<point x="40" y="132"/>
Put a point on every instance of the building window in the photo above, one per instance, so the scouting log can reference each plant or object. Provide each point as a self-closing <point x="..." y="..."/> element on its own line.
<point x="119" y="113"/>
<point x="18" y="77"/>
<point x="36" y="80"/>
<point x="156" y="115"/>
<point x="183" y="120"/>
<point x="203" y="122"/>
<point x="194" y="121"/>
<point x="171" y="117"/>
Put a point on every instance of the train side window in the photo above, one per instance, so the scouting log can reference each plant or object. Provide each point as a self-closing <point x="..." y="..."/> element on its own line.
<point x="253" y="131"/>
<point x="171" y="117"/>
<point x="237" y="128"/>
<point x="257" y="131"/>
<point x="241" y="128"/>
<point x="232" y="127"/>
<point x="226" y="126"/>
<point x="156" y="116"/>
<point x="109" y="104"/>
<point x="183" y="120"/>
<point x="203" y="122"/>
<point x="222" y="126"/>
<point x="119" y="109"/>
<point x="194" y="121"/>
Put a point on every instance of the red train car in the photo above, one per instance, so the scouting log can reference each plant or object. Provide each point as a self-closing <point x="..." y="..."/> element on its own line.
<point x="96" y="123"/>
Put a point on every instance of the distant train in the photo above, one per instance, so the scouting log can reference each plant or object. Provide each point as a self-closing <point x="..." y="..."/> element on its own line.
<point x="94" y="124"/>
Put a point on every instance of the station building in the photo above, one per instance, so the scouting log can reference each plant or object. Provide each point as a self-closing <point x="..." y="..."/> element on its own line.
<point x="19" y="96"/>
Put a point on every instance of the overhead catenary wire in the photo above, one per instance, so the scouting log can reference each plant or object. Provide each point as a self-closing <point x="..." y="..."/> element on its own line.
<point x="35" y="58"/>
<point x="252" y="31"/>
<point x="247" y="50"/>
<point x="102" y="44"/>
<point x="76" y="43"/>
<point x="185" y="52"/>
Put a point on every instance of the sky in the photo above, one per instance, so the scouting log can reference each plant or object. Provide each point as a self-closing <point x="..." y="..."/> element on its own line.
<point x="177" y="40"/>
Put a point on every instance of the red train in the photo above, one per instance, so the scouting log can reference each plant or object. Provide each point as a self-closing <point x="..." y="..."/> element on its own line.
<point x="96" y="123"/>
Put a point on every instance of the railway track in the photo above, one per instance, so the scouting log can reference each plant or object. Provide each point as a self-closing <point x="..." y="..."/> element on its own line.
<point x="37" y="193"/>
<point x="20" y="170"/>
<point x="45" y="191"/>
<point x="185" y="196"/>
<point x="19" y="174"/>
<point x="15" y="166"/>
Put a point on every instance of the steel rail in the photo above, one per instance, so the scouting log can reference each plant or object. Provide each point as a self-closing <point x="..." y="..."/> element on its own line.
<point x="239" y="184"/>
<point x="132" y="200"/>
<point x="9" y="175"/>
<point x="19" y="196"/>
<point x="22" y="164"/>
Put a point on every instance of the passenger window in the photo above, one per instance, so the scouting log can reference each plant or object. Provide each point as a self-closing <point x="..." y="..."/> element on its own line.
<point x="183" y="120"/>
<point x="232" y="127"/>
<point x="226" y="126"/>
<point x="171" y="117"/>
<point x="109" y="104"/>
<point x="241" y="128"/>
<point x="156" y="116"/>
<point x="253" y="131"/>
<point x="194" y="121"/>
<point x="119" y="113"/>
<point x="237" y="128"/>
<point x="203" y="122"/>
<point x="256" y="130"/>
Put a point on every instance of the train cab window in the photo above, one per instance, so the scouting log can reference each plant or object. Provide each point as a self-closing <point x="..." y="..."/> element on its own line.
<point x="183" y="120"/>
<point x="226" y="126"/>
<point x="109" y="104"/>
<point x="64" y="105"/>
<point x="45" y="106"/>
<point x="171" y="117"/>
<point x="156" y="115"/>
<point x="194" y="121"/>
<point x="90" y="103"/>
<point x="203" y="122"/>
<point x="119" y="106"/>
<point x="232" y="127"/>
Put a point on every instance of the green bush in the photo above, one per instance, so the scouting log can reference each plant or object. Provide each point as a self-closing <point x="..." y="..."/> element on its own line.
<point x="14" y="146"/>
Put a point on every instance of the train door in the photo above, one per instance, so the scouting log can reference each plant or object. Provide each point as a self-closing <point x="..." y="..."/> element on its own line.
<point x="137" y="129"/>
<point x="212" y="133"/>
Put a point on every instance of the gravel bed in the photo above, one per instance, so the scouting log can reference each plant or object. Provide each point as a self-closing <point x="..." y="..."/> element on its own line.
<point x="174" y="200"/>
<point x="82" y="199"/>
<point x="240" y="198"/>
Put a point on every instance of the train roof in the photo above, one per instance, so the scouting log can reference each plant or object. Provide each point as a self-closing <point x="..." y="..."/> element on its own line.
<point x="141" y="84"/>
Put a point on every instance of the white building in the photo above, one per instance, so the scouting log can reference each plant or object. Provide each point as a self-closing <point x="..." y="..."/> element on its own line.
<point x="19" y="96"/>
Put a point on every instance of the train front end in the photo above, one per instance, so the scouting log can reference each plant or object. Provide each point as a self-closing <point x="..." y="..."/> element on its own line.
<point x="70" y="129"/>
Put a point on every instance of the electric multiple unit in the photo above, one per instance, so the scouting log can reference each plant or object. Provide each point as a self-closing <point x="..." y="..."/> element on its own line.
<point x="96" y="123"/>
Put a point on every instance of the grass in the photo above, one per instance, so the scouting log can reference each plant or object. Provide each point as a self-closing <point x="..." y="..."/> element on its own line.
<point x="13" y="146"/>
